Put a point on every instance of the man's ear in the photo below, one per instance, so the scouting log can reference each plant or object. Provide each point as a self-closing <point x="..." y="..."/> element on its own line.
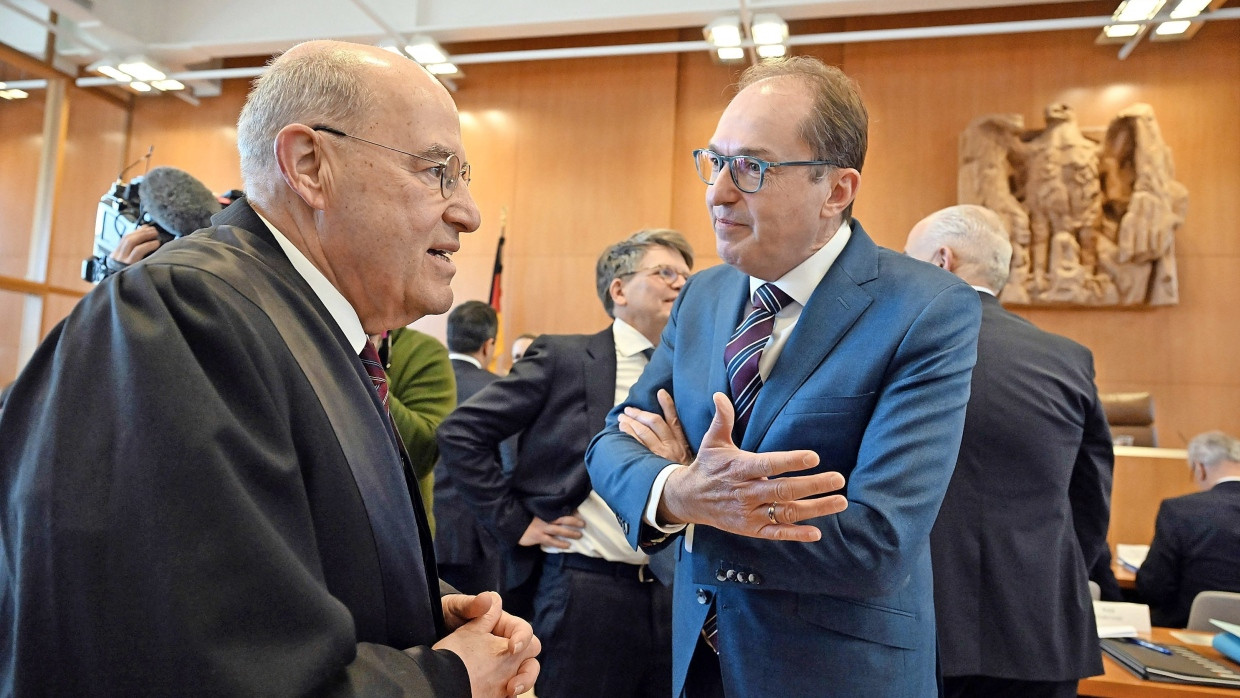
<point x="947" y="259"/>
<point x="301" y="162"/>
<point x="845" y="182"/>
<point x="616" y="289"/>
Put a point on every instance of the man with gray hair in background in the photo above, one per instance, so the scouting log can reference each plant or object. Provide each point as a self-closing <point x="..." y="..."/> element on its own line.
<point x="603" y="618"/>
<point x="1196" y="543"/>
<point x="1026" y="513"/>
<point x="215" y="502"/>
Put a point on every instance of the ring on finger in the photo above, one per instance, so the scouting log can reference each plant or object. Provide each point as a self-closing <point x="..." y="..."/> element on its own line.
<point x="770" y="513"/>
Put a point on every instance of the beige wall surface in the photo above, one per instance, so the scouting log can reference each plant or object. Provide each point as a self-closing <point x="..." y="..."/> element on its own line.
<point x="582" y="152"/>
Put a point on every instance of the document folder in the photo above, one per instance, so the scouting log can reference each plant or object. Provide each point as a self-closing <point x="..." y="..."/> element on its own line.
<point x="1182" y="665"/>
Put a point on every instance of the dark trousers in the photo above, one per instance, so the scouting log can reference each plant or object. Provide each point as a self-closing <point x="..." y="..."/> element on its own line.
<point x="989" y="686"/>
<point x="605" y="633"/>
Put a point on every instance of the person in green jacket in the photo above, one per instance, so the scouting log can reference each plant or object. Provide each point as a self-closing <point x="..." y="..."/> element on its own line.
<point x="422" y="391"/>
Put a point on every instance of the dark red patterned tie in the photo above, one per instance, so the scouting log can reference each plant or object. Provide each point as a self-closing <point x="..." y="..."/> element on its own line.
<point x="374" y="368"/>
<point x="744" y="351"/>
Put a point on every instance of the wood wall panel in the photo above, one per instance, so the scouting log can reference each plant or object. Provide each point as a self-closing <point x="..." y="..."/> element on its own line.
<point x="583" y="152"/>
<point x="21" y="145"/>
<point x="94" y="153"/>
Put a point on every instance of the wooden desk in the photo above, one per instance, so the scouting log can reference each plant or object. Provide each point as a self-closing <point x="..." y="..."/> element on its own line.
<point x="1118" y="682"/>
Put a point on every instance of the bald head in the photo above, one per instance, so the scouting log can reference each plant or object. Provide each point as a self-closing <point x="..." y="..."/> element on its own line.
<point x="313" y="83"/>
<point x="969" y="241"/>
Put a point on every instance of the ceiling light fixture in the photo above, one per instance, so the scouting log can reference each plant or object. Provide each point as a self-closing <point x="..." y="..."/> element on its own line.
<point x="444" y="68"/>
<point x="140" y="68"/>
<point x="724" y="32"/>
<point x="1182" y="25"/>
<point x="767" y="28"/>
<point x="140" y="86"/>
<point x="426" y="51"/>
<point x="168" y="85"/>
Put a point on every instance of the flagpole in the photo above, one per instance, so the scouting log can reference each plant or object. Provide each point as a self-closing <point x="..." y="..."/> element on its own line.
<point x="495" y="298"/>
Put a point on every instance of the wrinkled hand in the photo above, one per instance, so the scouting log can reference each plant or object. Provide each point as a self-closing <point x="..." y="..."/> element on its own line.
<point x="662" y="434"/>
<point x="554" y="534"/>
<point x="732" y="489"/>
<point x="136" y="244"/>
<point x="498" y="648"/>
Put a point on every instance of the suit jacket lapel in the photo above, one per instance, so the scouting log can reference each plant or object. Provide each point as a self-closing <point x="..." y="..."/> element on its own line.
<point x="833" y="308"/>
<point x="599" y="367"/>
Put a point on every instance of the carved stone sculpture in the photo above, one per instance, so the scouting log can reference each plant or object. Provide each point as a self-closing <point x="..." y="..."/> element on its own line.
<point x="1092" y="219"/>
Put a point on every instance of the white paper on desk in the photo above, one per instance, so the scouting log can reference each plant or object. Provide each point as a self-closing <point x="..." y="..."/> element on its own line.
<point x="1112" y="614"/>
<point x="1117" y="631"/>
<point x="1131" y="556"/>
<point x="1227" y="627"/>
<point x="1190" y="637"/>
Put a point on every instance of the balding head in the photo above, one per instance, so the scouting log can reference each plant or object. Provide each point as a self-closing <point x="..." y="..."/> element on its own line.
<point x="355" y="156"/>
<point x="969" y="241"/>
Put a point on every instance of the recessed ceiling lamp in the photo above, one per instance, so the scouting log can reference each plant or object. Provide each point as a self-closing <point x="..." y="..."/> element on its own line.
<point x="7" y="92"/>
<point x="1182" y="25"/>
<point x="426" y="51"/>
<point x="724" y="34"/>
<point x="770" y="34"/>
<point x="141" y="68"/>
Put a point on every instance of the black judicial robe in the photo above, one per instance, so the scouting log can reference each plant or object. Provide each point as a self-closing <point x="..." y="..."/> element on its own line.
<point x="201" y="495"/>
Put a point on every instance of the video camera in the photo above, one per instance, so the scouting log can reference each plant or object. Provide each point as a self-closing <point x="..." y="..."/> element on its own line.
<point x="171" y="200"/>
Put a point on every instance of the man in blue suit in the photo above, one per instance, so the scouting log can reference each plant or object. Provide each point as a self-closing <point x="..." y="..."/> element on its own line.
<point x="863" y="371"/>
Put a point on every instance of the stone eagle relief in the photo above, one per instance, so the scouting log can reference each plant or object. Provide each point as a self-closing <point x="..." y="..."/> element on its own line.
<point x="1092" y="214"/>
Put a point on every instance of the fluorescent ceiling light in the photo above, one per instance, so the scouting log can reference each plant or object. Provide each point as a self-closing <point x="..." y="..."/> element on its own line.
<point x="392" y="46"/>
<point x="113" y="73"/>
<point x="141" y="69"/>
<point x="140" y="86"/>
<point x="443" y="68"/>
<point x="730" y="53"/>
<point x="771" y="50"/>
<point x="1117" y="31"/>
<point x="12" y="94"/>
<point x="426" y="51"/>
<point x="725" y="31"/>
<point x="168" y="85"/>
<point x="768" y="28"/>
<point x="1189" y="8"/>
<point x="1171" y="28"/>
<point x="1137" y="10"/>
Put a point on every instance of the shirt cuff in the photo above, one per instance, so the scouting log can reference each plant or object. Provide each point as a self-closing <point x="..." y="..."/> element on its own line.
<point x="651" y="515"/>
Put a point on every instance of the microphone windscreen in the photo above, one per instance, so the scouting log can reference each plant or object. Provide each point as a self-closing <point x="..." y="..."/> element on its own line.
<point x="177" y="201"/>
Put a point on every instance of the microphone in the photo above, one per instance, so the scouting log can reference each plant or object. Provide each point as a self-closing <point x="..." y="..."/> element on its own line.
<point x="176" y="201"/>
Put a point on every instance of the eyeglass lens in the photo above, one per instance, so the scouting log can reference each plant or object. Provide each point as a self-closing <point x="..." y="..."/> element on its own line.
<point x="747" y="172"/>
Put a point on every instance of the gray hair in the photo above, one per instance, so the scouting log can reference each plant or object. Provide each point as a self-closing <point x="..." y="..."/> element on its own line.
<point x="622" y="258"/>
<point x="978" y="238"/>
<point x="1212" y="448"/>
<point x="837" y="128"/>
<point x="310" y="87"/>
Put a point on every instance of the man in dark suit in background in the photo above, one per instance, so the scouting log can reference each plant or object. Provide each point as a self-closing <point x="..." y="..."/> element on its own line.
<point x="201" y="492"/>
<point x="604" y="620"/>
<point x="469" y="557"/>
<point x="1196" y="537"/>
<point x="814" y="349"/>
<point x="1026" y="513"/>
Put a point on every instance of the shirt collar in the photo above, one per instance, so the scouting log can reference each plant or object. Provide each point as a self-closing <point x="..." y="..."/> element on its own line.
<point x="337" y="305"/>
<point x="1229" y="478"/>
<point x="799" y="283"/>
<point x="628" y="340"/>
<point x="983" y="289"/>
<point x="454" y="356"/>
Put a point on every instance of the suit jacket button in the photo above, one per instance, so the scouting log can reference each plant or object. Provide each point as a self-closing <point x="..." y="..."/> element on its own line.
<point x="755" y="578"/>
<point x="721" y="576"/>
<point x="731" y="574"/>
<point x="703" y="596"/>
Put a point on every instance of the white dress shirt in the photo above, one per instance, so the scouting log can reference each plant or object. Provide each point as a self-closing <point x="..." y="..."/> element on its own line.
<point x="602" y="536"/>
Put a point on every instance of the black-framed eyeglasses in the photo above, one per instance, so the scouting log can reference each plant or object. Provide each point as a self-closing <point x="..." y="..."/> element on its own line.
<point x="748" y="172"/>
<point x="451" y="170"/>
<point x="668" y="274"/>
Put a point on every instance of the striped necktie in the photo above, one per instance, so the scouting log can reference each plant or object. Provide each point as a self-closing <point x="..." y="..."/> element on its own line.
<point x="744" y="351"/>
<point x="374" y="368"/>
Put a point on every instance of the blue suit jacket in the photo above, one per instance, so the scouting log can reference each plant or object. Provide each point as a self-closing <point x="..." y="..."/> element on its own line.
<point x="874" y="378"/>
